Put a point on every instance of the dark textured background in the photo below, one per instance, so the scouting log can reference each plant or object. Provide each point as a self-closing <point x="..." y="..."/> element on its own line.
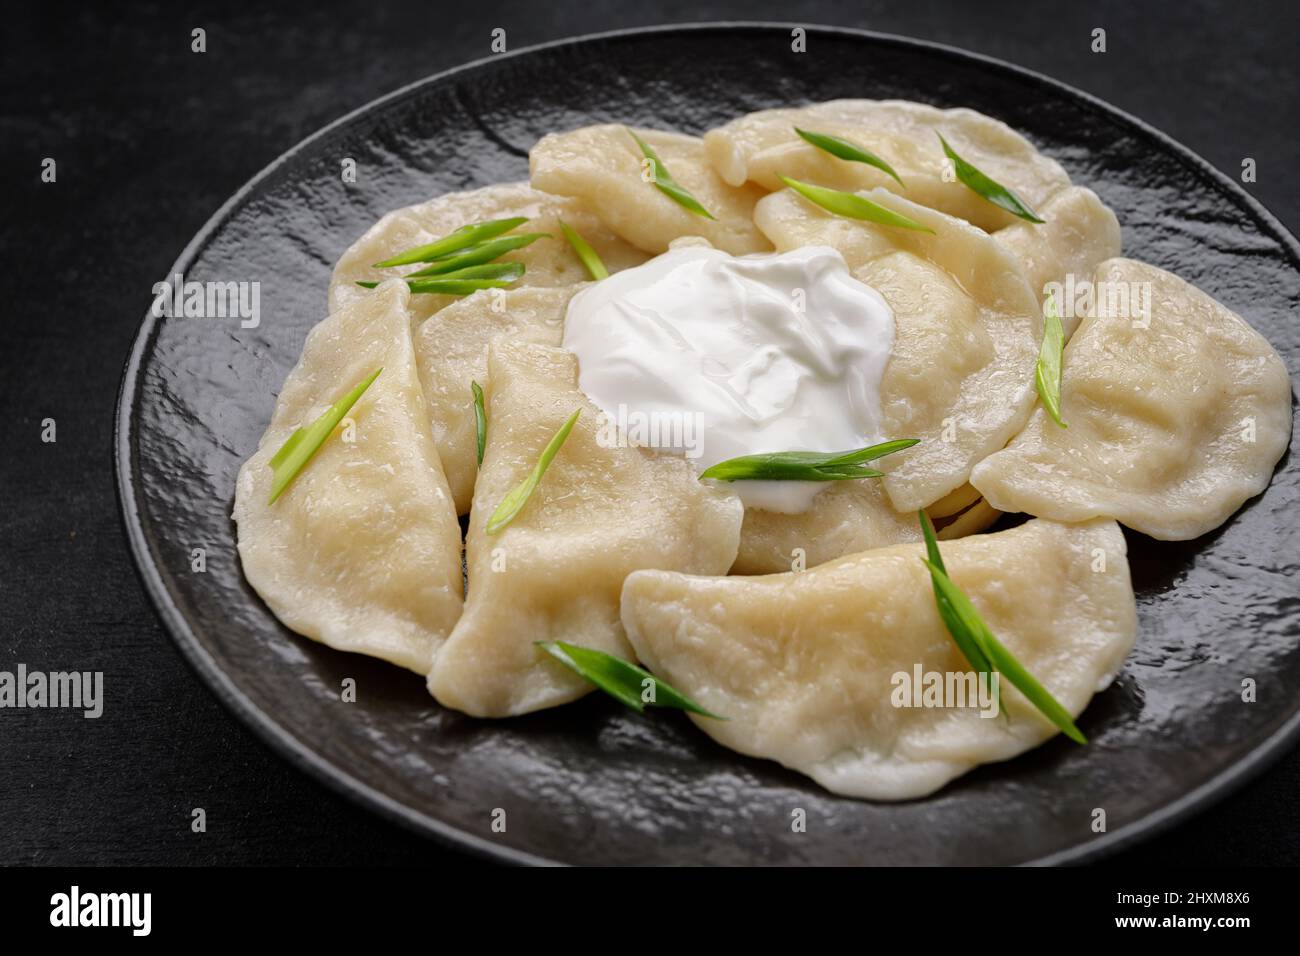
<point x="151" y="138"/>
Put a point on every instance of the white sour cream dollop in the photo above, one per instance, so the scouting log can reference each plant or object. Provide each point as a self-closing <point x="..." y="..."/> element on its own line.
<point x="718" y="356"/>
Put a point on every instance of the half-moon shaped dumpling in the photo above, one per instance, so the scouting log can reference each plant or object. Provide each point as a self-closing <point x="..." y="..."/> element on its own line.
<point x="1080" y="233"/>
<point x="762" y="146"/>
<point x="362" y="550"/>
<point x="602" y="165"/>
<point x="805" y="666"/>
<point x="844" y="518"/>
<point x="1175" y="418"/>
<point x="452" y="351"/>
<point x="549" y="262"/>
<point x="556" y="571"/>
<point x="966" y="334"/>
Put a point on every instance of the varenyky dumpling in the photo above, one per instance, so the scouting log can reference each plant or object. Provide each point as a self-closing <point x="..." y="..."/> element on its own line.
<point x="602" y="165"/>
<point x="1175" y="418"/>
<point x="762" y="146"/>
<point x="451" y="351"/>
<point x="549" y="262"/>
<point x="967" y="329"/>
<point x="555" y="572"/>
<point x="362" y="551"/>
<point x="1080" y="233"/>
<point x="803" y="665"/>
<point x="844" y="518"/>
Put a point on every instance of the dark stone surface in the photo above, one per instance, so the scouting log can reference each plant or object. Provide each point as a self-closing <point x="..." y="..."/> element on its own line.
<point x="150" y="138"/>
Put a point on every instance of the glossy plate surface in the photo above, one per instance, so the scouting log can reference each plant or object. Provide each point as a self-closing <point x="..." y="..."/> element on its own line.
<point x="591" y="783"/>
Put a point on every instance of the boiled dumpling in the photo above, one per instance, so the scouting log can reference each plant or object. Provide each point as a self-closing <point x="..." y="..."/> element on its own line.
<point x="451" y="350"/>
<point x="844" y="518"/>
<point x="1080" y="233"/>
<point x="555" y="572"/>
<point x="549" y="262"/>
<point x="967" y="330"/>
<point x="362" y="551"/>
<point x="762" y="146"/>
<point x="803" y="664"/>
<point x="602" y="166"/>
<point x="1175" y="419"/>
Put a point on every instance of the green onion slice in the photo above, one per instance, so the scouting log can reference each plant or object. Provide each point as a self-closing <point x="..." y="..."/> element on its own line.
<point x="300" y="447"/>
<point x="843" y="149"/>
<point x="518" y="496"/>
<point x="664" y="180"/>
<point x="988" y="189"/>
<point x="587" y="254"/>
<point x="623" y="681"/>
<point x="852" y="206"/>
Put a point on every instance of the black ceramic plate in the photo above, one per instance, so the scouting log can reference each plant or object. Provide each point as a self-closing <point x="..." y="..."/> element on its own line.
<point x="592" y="783"/>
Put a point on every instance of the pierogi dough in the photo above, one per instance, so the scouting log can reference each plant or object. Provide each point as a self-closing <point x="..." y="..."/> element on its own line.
<point x="452" y="351"/>
<point x="845" y="518"/>
<point x="549" y="262"/>
<point x="362" y="550"/>
<point x="556" y="571"/>
<point x="803" y="665"/>
<point x="1079" y="234"/>
<point x="760" y="147"/>
<point x="1174" y="420"/>
<point x="967" y="332"/>
<point x="602" y="165"/>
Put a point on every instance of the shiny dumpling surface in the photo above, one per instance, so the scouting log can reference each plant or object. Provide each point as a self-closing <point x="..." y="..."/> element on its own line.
<point x="362" y="551"/>
<point x="602" y="165"/>
<point x="966" y="334"/>
<point x="549" y="262"/>
<point x="1079" y="234"/>
<point x="1174" y="421"/>
<point x="759" y="147"/>
<point x="555" y="572"/>
<point x="844" y="518"/>
<point x="802" y="664"/>
<point x="451" y="350"/>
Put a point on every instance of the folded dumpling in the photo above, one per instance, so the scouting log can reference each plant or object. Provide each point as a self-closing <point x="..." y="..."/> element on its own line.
<point x="844" y="518"/>
<point x="549" y="262"/>
<point x="362" y="551"/>
<point x="1080" y="233"/>
<point x="804" y="666"/>
<point x="602" y="165"/>
<point x="452" y="351"/>
<point x="760" y="147"/>
<point x="555" y="572"/>
<point x="1175" y="417"/>
<point x="966" y="334"/>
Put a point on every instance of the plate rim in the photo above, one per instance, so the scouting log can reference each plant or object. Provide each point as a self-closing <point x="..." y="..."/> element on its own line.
<point x="343" y="782"/>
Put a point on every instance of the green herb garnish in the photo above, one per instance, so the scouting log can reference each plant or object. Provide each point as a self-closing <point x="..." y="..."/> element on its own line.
<point x="987" y="188"/>
<point x="480" y="419"/>
<point x="843" y="149"/>
<point x="300" y="447"/>
<point x="664" y="180"/>
<point x="518" y="496"/>
<point x="806" y="465"/>
<point x="623" y="681"/>
<point x="464" y="236"/>
<point x="1048" y="375"/>
<point x="587" y="254"/>
<point x="478" y="254"/>
<point x="852" y="206"/>
<point x="495" y="275"/>
<point x="978" y="644"/>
